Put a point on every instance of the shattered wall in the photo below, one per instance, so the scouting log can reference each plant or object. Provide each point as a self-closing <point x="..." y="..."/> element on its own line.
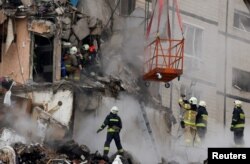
<point x="61" y="113"/>
<point x="15" y="62"/>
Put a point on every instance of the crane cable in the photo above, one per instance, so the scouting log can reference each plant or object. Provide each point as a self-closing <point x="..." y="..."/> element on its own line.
<point x="161" y="4"/>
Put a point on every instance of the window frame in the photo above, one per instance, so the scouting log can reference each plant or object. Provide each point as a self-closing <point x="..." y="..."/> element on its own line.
<point x="239" y="12"/>
<point x="236" y="73"/>
<point x="197" y="59"/>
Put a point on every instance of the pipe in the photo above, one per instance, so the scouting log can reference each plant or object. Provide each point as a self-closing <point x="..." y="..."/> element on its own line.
<point x="225" y="67"/>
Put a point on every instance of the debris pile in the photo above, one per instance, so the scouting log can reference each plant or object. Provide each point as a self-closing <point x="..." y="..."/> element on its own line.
<point x="14" y="149"/>
<point x="44" y="154"/>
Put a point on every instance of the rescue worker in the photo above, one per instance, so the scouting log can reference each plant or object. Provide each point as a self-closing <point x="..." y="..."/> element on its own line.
<point x="71" y="63"/>
<point x="201" y="120"/>
<point x="92" y="54"/>
<point x="114" y="123"/>
<point x="85" y="54"/>
<point x="238" y="123"/>
<point x="189" y="119"/>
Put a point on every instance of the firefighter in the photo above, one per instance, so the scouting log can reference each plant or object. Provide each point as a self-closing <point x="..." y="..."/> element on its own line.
<point x="201" y="120"/>
<point x="114" y="123"/>
<point x="85" y="54"/>
<point x="238" y="123"/>
<point x="71" y="63"/>
<point x="189" y="119"/>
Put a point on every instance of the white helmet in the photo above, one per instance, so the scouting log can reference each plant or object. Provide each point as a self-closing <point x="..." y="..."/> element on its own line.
<point x="114" y="110"/>
<point x="202" y="103"/>
<point x="73" y="50"/>
<point x="85" y="47"/>
<point x="193" y="101"/>
<point x="238" y="103"/>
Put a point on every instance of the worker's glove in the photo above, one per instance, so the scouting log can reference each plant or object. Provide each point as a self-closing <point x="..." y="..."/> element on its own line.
<point x="232" y="129"/>
<point x="98" y="130"/>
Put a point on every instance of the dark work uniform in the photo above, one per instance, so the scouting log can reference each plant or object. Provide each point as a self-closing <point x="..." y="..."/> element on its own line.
<point x="114" y="123"/>
<point x="237" y="125"/>
<point x="201" y="121"/>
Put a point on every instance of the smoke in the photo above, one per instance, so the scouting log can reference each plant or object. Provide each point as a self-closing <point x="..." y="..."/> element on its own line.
<point x="21" y="122"/>
<point x="134" y="135"/>
<point x="125" y="49"/>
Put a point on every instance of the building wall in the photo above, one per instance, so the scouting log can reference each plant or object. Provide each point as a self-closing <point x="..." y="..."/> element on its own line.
<point x="208" y="79"/>
<point x="15" y="62"/>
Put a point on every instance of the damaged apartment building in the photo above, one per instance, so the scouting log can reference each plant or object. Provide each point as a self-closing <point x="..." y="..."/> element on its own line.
<point x="34" y="36"/>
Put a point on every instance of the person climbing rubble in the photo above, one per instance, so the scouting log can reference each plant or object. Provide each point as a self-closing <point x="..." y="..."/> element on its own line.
<point x="189" y="119"/>
<point x="201" y="120"/>
<point x="114" y="123"/>
<point x="71" y="63"/>
<point x="238" y="123"/>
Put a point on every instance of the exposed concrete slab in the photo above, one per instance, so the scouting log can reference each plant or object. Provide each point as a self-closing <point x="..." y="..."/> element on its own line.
<point x="81" y="29"/>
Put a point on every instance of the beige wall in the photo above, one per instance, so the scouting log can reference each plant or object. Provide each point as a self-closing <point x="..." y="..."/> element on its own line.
<point x="19" y="51"/>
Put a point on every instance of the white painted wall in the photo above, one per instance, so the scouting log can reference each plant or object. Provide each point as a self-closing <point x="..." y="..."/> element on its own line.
<point x="64" y="113"/>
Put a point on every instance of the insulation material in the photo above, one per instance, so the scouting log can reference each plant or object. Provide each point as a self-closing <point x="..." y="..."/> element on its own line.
<point x="10" y="35"/>
<point x="42" y="27"/>
<point x="81" y="29"/>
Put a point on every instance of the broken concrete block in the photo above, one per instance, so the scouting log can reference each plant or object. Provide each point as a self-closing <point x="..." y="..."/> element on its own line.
<point x="81" y="29"/>
<point x="92" y="22"/>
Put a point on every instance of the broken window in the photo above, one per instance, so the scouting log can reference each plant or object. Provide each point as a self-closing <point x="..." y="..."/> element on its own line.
<point x="43" y="59"/>
<point x="193" y="46"/>
<point x="242" y="20"/>
<point x="241" y="79"/>
<point x="127" y="7"/>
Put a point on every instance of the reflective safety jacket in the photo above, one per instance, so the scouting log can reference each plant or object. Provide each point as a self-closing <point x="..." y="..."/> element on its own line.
<point x="190" y="113"/>
<point x="201" y="118"/>
<point x="238" y="119"/>
<point x="114" y="123"/>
